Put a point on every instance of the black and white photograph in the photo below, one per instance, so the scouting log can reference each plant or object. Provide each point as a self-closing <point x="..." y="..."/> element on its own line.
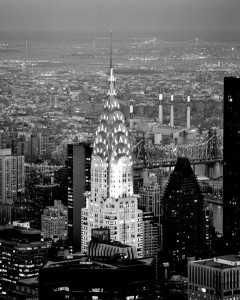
<point x="120" y="149"/>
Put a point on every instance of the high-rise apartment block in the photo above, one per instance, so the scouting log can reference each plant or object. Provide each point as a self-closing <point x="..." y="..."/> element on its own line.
<point x="231" y="164"/>
<point x="11" y="176"/>
<point x="111" y="202"/>
<point x="79" y="174"/>
<point x="54" y="221"/>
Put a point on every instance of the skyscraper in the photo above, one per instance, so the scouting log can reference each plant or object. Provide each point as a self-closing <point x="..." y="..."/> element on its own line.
<point x="111" y="202"/>
<point x="78" y="164"/>
<point x="11" y="176"/>
<point x="149" y="202"/>
<point x="183" y="217"/>
<point x="231" y="164"/>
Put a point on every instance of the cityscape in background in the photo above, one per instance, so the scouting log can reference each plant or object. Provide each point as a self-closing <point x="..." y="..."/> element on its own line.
<point x="119" y="165"/>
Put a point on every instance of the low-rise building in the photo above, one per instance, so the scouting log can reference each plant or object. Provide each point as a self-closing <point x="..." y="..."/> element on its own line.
<point x="214" y="279"/>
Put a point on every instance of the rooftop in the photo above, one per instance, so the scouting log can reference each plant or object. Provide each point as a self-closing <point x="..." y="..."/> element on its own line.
<point x="221" y="262"/>
<point x="86" y="263"/>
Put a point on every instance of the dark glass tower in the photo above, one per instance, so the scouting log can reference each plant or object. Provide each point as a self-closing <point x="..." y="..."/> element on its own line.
<point x="231" y="164"/>
<point x="183" y="217"/>
<point x="79" y="174"/>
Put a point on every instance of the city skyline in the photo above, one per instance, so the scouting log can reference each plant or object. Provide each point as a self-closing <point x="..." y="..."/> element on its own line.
<point x="121" y="165"/>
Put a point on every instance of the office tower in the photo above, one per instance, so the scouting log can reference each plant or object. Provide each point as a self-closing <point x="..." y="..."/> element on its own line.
<point x="79" y="165"/>
<point x="11" y="176"/>
<point x="231" y="164"/>
<point x="61" y="178"/>
<point x="150" y="198"/>
<point x="209" y="231"/>
<point x="111" y="202"/>
<point x="183" y="217"/>
<point x="151" y="234"/>
<point x="45" y="194"/>
<point x="216" y="278"/>
<point x="81" y="279"/>
<point x="22" y="254"/>
<point x="150" y="202"/>
<point x="54" y="221"/>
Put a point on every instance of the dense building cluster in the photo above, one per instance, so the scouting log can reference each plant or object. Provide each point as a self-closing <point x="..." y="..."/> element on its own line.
<point x="76" y="211"/>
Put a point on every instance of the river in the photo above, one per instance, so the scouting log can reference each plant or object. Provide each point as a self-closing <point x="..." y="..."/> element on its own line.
<point x="217" y="216"/>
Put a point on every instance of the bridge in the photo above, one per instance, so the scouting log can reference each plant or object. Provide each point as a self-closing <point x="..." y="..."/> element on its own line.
<point x="206" y="150"/>
<point x="153" y="41"/>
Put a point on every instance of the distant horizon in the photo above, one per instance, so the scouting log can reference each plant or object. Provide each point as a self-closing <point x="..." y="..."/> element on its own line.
<point x="119" y="30"/>
<point x="171" y="35"/>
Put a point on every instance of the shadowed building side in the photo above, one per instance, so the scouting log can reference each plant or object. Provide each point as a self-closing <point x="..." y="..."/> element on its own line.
<point x="231" y="164"/>
<point x="183" y="217"/>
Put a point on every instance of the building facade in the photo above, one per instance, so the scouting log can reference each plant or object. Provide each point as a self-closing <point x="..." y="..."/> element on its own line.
<point x="101" y="247"/>
<point x="54" y="221"/>
<point x="81" y="279"/>
<point x="45" y="194"/>
<point x="79" y="175"/>
<point x="111" y="202"/>
<point x="214" y="279"/>
<point x="11" y="176"/>
<point x="231" y="164"/>
<point x="22" y="254"/>
<point x="183" y="217"/>
<point x="151" y="234"/>
<point x="150" y="203"/>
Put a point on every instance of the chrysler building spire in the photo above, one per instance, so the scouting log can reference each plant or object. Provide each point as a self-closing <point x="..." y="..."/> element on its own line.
<point x="111" y="79"/>
<point x="111" y="202"/>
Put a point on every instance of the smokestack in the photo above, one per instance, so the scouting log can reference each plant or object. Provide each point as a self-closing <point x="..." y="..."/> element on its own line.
<point x="172" y="112"/>
<point x="160" y="111"/>
<point x="188" y="111"/>
<point x="131" y="114"/>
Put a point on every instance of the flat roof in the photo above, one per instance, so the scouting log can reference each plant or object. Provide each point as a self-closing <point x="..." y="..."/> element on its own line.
<point x="221" y="262"/>
<point x="86" y="263"/>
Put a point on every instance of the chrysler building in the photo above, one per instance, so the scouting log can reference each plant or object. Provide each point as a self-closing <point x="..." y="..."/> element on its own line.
<point x="111" y="202"/>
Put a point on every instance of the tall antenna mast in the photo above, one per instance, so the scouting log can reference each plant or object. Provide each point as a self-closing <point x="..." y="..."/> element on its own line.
<point x="111" y="91"/>
<point x="111" y="50"/>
